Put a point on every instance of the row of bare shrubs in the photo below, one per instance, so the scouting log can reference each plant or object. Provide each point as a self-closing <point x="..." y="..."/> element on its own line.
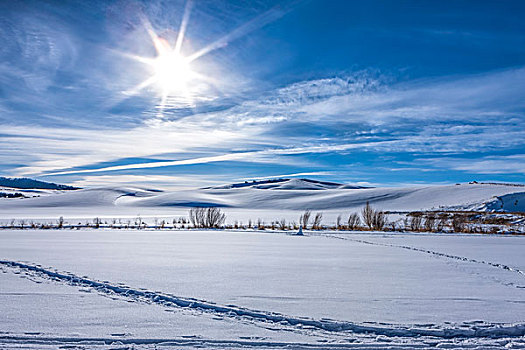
<point x="371" y="218"/>
<point x="452" y="221"/>
<point x="368" y="219"/>
<point x="60" y="223"/>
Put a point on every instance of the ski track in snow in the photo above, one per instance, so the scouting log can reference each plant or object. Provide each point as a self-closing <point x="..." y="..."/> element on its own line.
<point x="432" y="252"/>
<point x="473" y="330"/>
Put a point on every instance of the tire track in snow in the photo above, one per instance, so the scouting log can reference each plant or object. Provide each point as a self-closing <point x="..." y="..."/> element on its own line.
<point x="464" y="330"/>
<point x="432" y="252"/>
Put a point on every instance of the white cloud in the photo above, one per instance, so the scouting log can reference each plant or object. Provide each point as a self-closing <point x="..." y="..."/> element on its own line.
<point x="453" y="115"/>
<point x="514" y="164"/>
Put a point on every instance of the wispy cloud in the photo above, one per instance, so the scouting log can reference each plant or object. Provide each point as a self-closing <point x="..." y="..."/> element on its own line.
<point x="459" y="114"/>
<point x="513" y="164"/>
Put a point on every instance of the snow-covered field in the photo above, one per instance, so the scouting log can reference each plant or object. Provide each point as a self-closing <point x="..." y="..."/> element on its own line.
<point x="102" y="289"/>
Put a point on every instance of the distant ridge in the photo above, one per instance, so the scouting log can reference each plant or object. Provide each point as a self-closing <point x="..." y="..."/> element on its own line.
<point x="287" y="184"/>
<point x="26" y="183"/>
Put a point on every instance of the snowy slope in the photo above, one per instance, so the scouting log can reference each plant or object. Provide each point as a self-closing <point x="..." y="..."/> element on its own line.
<point x="512" y="202"/>
<point x="281" y="195"/>
<point x="293" y="196"/>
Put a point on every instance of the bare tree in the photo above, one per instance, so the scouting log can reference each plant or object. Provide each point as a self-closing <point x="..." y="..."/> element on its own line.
<point x="338" y="222"/>
<point x="368" y="215"/>
<point x="214" y="217"/>
<point x="303" y="219"/>
<point x="282" y="224"/>
<point x="207" y="217"/>
<point x="353" y="221"/>
<point x="316" y="224"/>
<point x="193" y="218"/>
<point x="378" y="220"/>
<point x="197" y="217"/>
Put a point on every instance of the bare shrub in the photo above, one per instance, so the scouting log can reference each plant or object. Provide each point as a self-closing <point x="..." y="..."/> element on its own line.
<point x="303" y="219"/>
<point x="316" y="224"/>
<point x="282" y="224"/>
<point x="430" y="223"/>
<point x="416" y="222"/>
<point x="60" y="222"/>
<point x="393" y="226"/>
<point x="378" y="220"/>
<point x="374" y="219"/>
<point x="138" y="221"/>
<point x="459" y="222"/>
<point x="441" y="222"/>
<point x="353" y="221"/>
<point x="97" y="222"/>
<point x="211" y="217"/>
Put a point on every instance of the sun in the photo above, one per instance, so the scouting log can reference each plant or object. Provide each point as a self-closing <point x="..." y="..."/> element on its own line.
<point x="175" y="74"/>
<point x="172" y="72"/>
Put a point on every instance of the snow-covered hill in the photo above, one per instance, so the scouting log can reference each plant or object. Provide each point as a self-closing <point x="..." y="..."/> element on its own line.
<point x="287" y="184"/>
<point x="277" y="196"/>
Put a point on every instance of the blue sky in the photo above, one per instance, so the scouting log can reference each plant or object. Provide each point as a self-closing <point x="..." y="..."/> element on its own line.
<point x="366" y="92"/>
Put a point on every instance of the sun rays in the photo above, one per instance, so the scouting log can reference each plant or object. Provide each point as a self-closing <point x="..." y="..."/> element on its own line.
<point x="173" y="73"/>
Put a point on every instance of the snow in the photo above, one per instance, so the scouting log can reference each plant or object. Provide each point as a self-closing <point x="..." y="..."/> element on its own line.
<point x="155" y="289"/>
<point x="229" y="289"/>
<point x="512" y="202"/>
<point x="269" y="201"/>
